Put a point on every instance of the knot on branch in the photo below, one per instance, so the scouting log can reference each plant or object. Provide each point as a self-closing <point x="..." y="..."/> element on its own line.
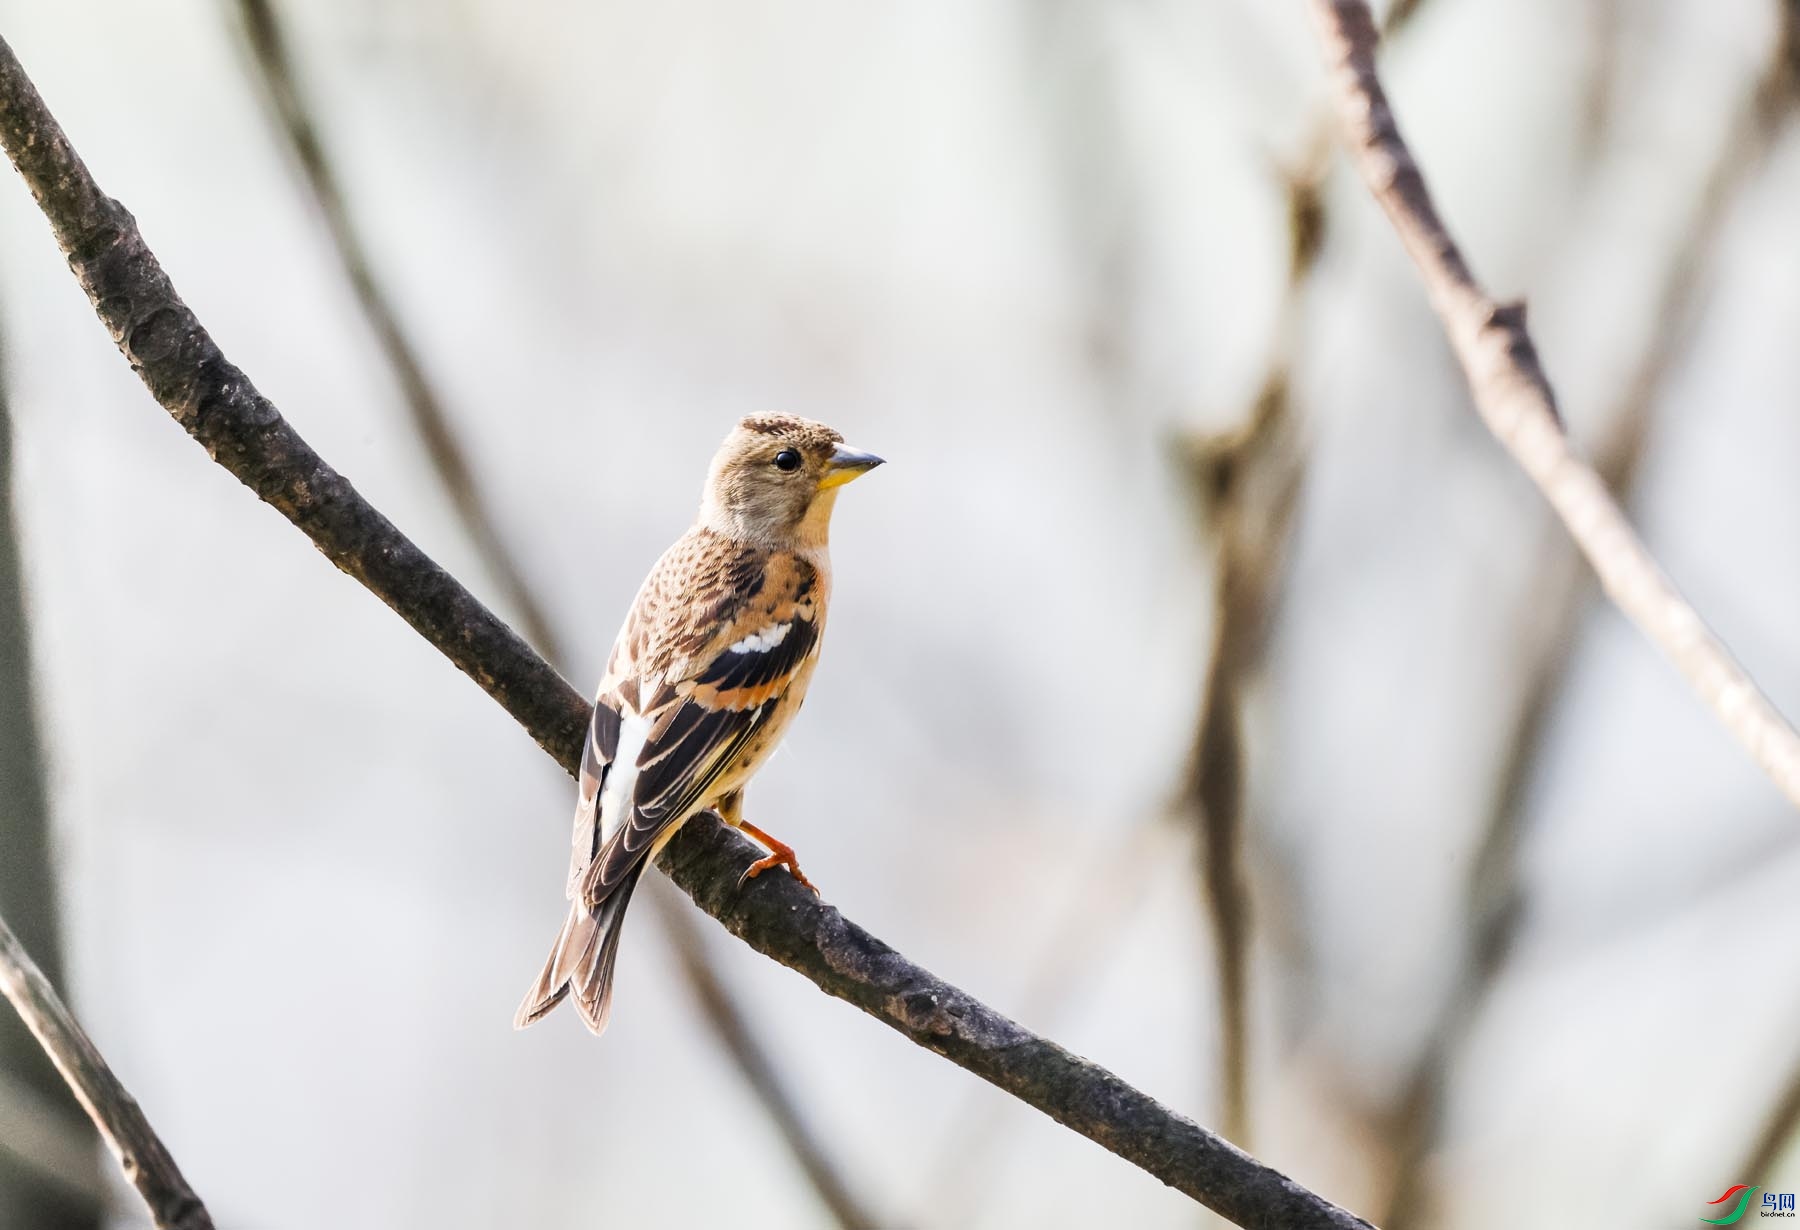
<point x="925" y="1011"/>
<point x="1505" y="326"/>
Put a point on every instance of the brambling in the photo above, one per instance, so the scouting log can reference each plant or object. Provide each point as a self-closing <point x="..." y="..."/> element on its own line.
<point x="709" y="669"/>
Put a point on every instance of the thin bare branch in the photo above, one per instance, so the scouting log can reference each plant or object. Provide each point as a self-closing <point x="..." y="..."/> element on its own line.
<point x="1515" y="399"/>
<point x="1247" y="484"/>
<point x="216" y="403"/>
<point x="140" y="1152"/>
<point x="274" y="73"/>
<point x="274" y="70"/>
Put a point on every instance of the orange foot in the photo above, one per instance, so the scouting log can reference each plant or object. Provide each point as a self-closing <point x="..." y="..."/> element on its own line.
<point x="780" y="855"/>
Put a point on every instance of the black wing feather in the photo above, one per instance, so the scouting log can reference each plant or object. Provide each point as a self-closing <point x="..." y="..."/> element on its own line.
<point x="758" y="668"/>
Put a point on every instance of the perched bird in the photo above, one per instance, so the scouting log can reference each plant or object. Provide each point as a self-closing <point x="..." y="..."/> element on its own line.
<point x="709" y="669"/>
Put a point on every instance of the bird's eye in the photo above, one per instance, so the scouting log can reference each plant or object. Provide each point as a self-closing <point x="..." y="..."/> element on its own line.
<point x="787" y="459"/>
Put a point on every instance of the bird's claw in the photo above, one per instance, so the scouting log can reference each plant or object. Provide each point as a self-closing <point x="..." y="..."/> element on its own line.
<point x="781" y="858"/>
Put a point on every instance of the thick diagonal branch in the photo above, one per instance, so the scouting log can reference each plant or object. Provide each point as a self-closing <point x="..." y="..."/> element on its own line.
<point x="1515" y="399"/>
<point x="172" y="1203"/>
<point x="183" y="368"/>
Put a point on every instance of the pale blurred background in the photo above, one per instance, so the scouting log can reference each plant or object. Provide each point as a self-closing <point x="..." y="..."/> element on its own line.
<point x="1037" y="255"/>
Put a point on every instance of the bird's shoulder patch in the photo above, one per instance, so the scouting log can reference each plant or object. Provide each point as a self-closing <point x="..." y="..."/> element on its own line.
<point x="769" y="636"/>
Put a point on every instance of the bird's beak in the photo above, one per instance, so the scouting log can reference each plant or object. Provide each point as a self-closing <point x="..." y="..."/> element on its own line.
<point x="846" y="463"/>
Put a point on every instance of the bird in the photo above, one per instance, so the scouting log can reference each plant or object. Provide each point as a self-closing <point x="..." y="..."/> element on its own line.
<point x="710" y="667"/>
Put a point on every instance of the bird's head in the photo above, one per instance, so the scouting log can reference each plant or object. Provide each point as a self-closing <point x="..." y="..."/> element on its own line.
<point x="775" y="479"/>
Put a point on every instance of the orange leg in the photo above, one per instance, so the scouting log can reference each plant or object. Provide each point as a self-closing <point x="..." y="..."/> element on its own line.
<point x="780" y="855"/>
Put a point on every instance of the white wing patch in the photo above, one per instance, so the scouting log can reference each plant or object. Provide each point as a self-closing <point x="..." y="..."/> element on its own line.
<point x="763" y="641"/>
<point x="621" y="778"/>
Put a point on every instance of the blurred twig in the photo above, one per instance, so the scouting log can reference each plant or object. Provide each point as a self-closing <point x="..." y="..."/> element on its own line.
<point x="275" y="72"/>
<point x="37" y="1193"/>
<point x="216" y="403"/>
<point x="1514" y="397"/>
<point x="1247" y="483"/>
<point x="1561" y="593"/>
<point x="140" y="1152"/>
<point x="1600" y="99"/>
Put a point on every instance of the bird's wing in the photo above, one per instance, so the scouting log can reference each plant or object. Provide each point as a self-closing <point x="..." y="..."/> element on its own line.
<point x="701" y="688"/>
<point x="596" y="760"/>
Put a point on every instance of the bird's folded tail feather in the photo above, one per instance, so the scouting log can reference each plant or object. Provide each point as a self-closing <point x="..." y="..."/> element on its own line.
<point x="582" y="960"/>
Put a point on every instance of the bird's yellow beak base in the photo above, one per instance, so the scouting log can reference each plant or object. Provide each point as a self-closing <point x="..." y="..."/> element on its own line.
<point x="845" y="465"/>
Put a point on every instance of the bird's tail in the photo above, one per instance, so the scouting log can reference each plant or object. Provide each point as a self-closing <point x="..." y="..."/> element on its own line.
<point x="582" y="960"/>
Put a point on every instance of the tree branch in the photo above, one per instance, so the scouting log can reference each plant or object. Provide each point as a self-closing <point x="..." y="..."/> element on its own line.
<point x="1515" y="399"/>
<point x="1561" y="594"/>
<point x="173" y="1205"/>
<point x="214" y="402"/>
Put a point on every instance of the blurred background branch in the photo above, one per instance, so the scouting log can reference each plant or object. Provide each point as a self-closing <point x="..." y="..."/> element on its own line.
<point x="59" y="1191"/>
<point x="1246" y="485"/>
<point x="273" y="69"/>
<point x="138" y="1149"/>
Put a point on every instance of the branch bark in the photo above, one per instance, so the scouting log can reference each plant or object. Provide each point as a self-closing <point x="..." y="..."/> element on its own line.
<point x="214" y="402"/>
<point x="140" y="1152"/>
<point x="1515" y="399"/>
